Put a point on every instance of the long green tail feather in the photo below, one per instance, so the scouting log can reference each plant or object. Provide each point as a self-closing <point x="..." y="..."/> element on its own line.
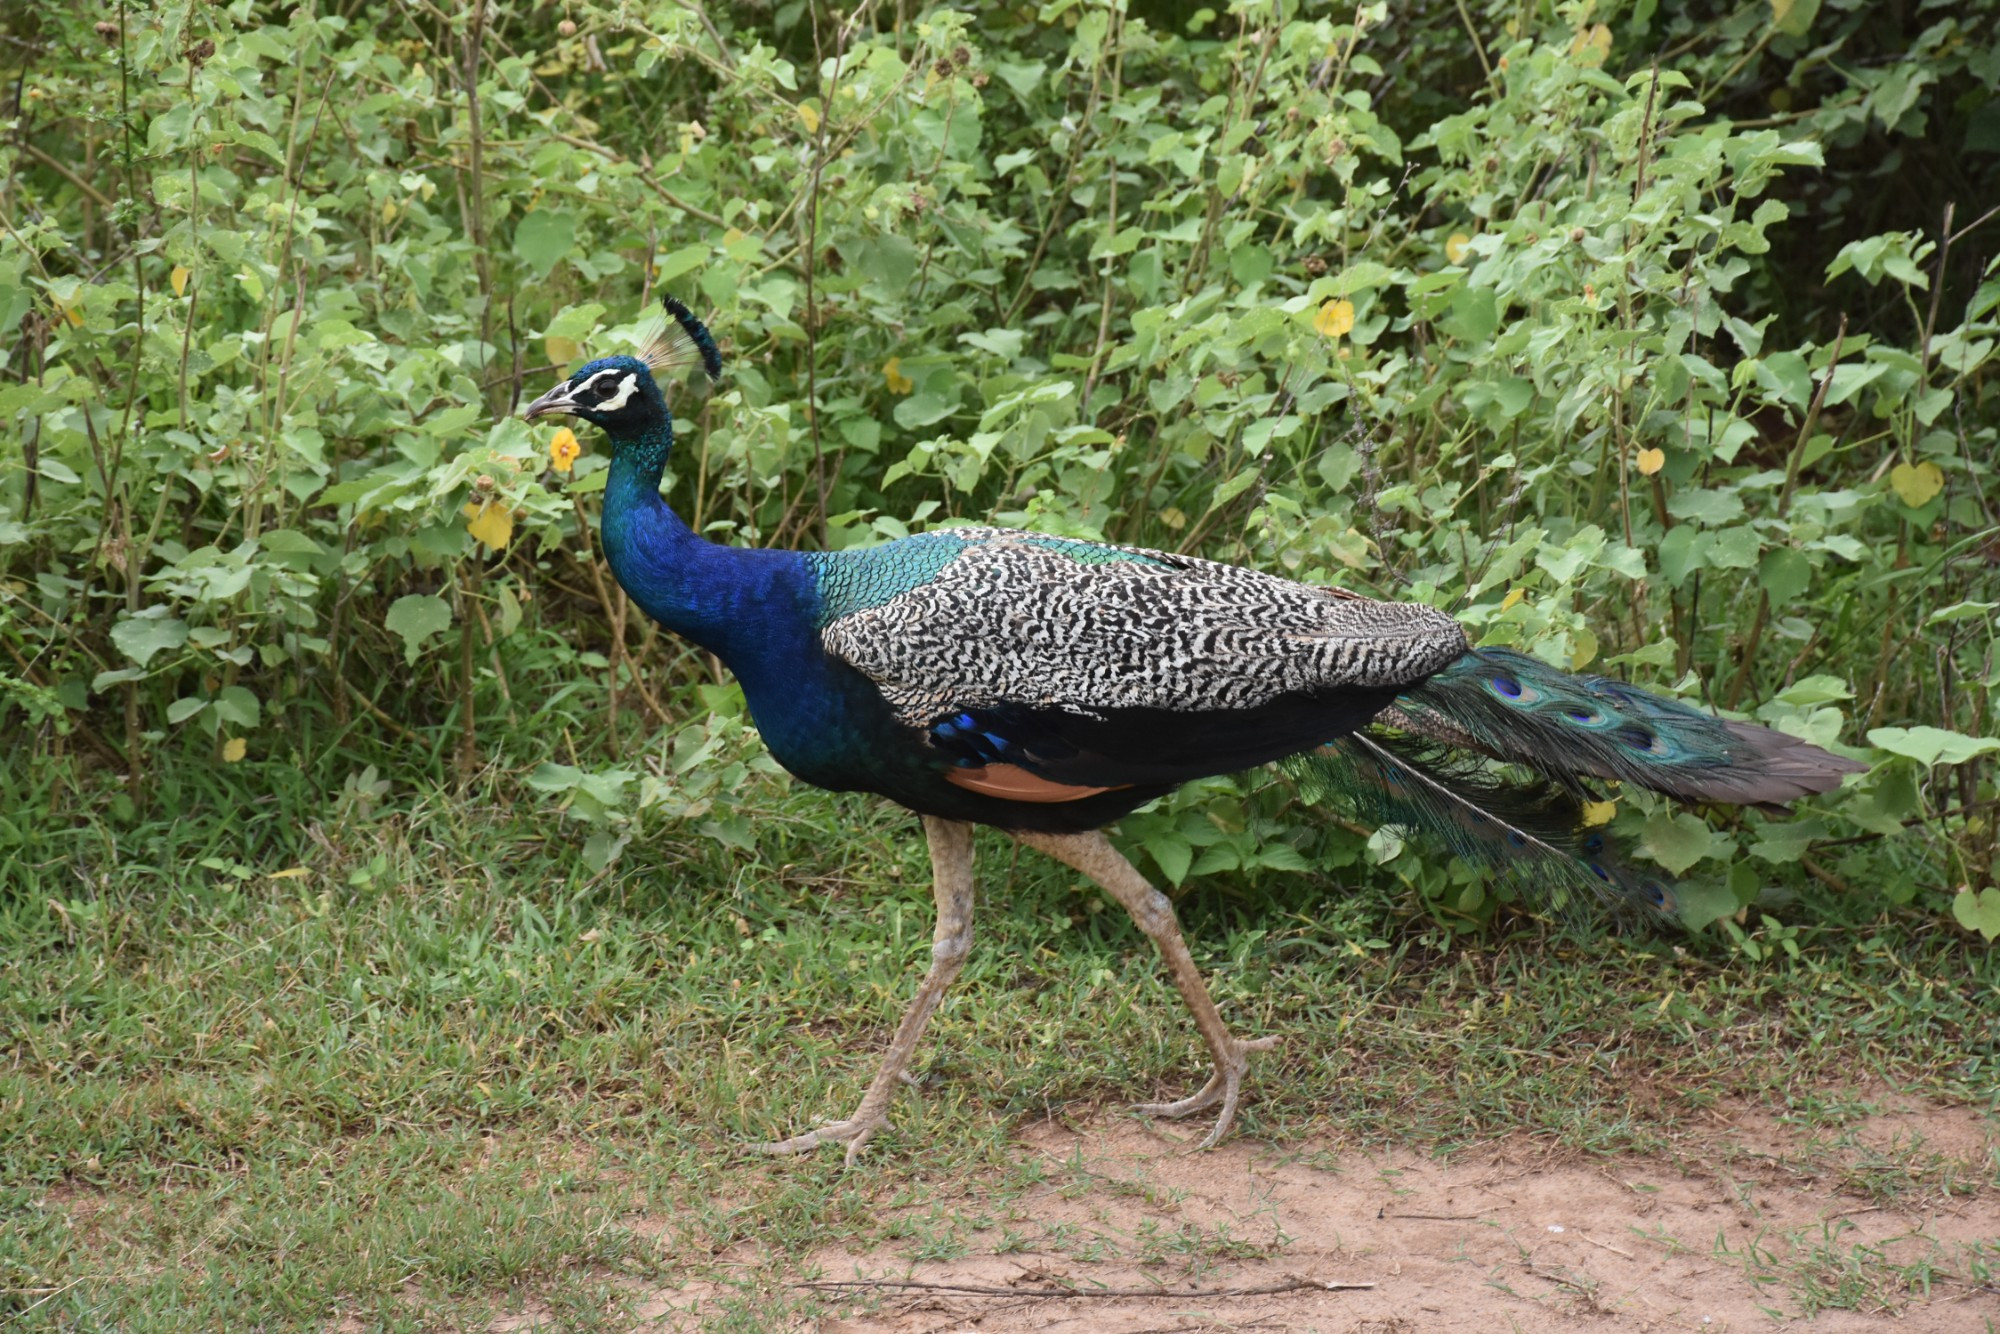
<point x="1515" y="708"/>
<point x="1531" y="834"/>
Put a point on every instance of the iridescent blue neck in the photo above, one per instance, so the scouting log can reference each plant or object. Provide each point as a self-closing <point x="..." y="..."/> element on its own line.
<point x="632" y="490"/>
<point x="758" y="610"/>
<point x="730" y="601"/>
<point x="652" y="553"/>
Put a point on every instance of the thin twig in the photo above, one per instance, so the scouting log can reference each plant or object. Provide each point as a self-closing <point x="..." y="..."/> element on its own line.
<point x="1981" y="220"/>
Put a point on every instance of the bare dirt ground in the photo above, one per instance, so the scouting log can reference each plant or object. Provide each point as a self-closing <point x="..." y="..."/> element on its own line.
<point x="1892" y="1221"/>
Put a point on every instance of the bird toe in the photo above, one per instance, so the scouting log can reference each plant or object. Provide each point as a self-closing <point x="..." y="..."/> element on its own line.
<point x="1225" y="1086"/>
<point x="854" y="1132"/>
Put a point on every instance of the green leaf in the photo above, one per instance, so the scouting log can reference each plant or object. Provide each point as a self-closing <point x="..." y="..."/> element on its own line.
<point x="1565" y="562"/>
<point x="1697" y="903"/>
<point x="1785" y="573"/>
<point x="236" y="705"/>
<point x="453" y="420"/>
<point x="1282" y="857"/>
<point x="685" y="260"/>
<point x="1793" y="17"/>
<point x="1887" y="797"/>
<point x="574" y="322"/>
<point x="543" y="237"/>
<point x="1814" y="690"/>
<point x="1232" y="487"/>
<point x="1786" y="375"/>
<point x="183" y="709"/>
<point x="1931" y="745"/>
<point x="1733" y="548"/>
<point x="1676" y="842"/>
<point x="416" y="617"/>
<point x="1682" y="551"/>
<point x="1475" y="314"/>
<point x="1003" y="343"/>
<point x="1978" y="911"/>
<point x="151" y="631"/>
<point x="924" y="408"/>
<point x="1710" y="507"/>
<point x="1787" y="841"/>
<point x="1359" y="278"/>
<point x="1960" y="611"/>
<point x="1513" y="394"/>
<point x="1172" y="854"/>
<point x="547" y="777"/>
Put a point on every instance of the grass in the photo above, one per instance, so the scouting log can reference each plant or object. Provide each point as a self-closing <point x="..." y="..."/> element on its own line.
<point x="403" y="1059"/>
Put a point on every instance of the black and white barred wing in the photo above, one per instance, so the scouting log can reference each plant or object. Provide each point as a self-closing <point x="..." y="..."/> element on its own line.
<point x="1095" y="663"/>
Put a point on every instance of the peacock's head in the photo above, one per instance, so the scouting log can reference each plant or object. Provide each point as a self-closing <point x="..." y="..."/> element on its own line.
<point x="619" y="393"/>
<point x="616" y="393"/>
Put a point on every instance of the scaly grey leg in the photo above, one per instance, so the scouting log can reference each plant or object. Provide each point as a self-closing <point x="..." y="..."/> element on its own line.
<point x="951" y="872"/>
<point x="1093" y="855"/>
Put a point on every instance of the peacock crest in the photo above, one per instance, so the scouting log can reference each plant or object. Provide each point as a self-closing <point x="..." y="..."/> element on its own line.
<point x="680" y="341"/>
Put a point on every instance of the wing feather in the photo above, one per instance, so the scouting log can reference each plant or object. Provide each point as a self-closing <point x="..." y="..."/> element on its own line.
<point x="971" y="618"/>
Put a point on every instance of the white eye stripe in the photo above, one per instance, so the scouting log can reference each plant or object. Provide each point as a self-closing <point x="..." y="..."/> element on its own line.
<point x="580" y="389"/>
<point x="626" y="388"/>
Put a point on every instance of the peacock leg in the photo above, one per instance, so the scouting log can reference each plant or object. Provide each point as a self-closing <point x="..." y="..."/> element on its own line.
<point x="1093" y="855"/>
<point x="951" y="873"/>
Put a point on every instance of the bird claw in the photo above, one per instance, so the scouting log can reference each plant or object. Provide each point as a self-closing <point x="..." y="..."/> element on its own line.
<point x="1224" y="1086"/>
<point x="855" y="1132"/>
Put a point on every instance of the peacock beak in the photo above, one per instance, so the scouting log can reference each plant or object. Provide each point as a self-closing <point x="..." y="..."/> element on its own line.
<point x="557" y="400"/>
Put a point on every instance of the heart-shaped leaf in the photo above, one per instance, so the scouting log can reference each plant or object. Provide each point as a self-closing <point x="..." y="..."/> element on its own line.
<point x="1915" y="484"/>
<point x="1676" y="842"/>
<point x="1931" y="745"/>
<point x="1978" y="911"/>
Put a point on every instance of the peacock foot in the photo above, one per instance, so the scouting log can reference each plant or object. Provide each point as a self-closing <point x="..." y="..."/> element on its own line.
<point x="855" y="1132"/>
<point x="1224" y="1086"/>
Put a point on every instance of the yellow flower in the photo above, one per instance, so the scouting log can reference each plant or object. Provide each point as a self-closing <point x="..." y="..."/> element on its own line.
<point x="563" y="450"/>
<point x="491" y="524"/>
<point x="899" y="383"/>
<point x="1335" y="318"/>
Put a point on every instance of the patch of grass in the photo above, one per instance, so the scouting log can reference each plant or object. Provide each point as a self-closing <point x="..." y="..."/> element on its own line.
<point x="417" y="1065"/>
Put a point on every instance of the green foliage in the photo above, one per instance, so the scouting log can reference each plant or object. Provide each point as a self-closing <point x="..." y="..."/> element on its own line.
<point x="1482" y="308"/>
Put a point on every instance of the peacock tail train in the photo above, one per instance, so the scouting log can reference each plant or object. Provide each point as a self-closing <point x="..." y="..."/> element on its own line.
<point x="1427" y="764"/>
<point x="1533" y="834"/>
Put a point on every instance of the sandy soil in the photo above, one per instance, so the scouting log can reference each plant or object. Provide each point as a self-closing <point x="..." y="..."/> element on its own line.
<point x="1770" y="1224"/>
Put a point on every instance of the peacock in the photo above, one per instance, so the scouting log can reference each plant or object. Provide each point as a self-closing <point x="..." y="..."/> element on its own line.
<point x="1047" y="686"/>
